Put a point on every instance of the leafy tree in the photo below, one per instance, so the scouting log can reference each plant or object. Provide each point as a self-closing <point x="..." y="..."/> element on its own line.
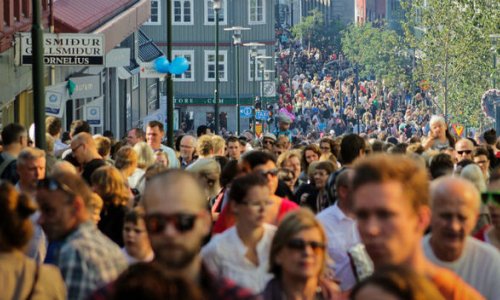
<point x="378" y="51"/>
<point x="452" y="40"/>
<point x="307" y="28"/>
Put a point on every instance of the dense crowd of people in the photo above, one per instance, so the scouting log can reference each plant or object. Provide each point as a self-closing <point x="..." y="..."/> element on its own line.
<point x="350" y="216"/>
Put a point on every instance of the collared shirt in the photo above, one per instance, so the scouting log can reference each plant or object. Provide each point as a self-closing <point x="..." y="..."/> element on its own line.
<point x="87" y="260"/>
<point x="342" y="234"/>
<point x="225" y="256"/>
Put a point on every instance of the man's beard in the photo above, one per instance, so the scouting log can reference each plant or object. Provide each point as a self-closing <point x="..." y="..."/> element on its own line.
<point x="177" y="260"/>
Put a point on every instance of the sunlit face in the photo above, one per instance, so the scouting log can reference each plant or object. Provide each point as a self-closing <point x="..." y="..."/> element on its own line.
<point x="483" y="162"/>
<point x="311" y="156"/>
<point x="325" y="148"/>
<point x="132" y="138"/>
<point x="135" y="238"/>
<point x="302" y="263"/>
<point x="463" y="150"/>
<point x="388" y="225"/>
<point x="233" y="150"/>
<point x="187" y="148"/>
<point x="32" y="170"/>
<point x="173" y="248"/>
<point x="320" y="178"/>
<point x="154" y="136"/>
<point x="453" y="219"/>
<point x="252" y="210"/>
<point x="438" y="130"/>
<point x="293" y="163"/>
<point x="272" y="179"/>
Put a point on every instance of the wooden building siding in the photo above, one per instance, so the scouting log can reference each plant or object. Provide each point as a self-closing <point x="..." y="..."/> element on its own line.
<point x="200" y="37"/>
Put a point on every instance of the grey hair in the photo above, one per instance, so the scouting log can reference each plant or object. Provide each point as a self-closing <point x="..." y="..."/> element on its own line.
<point x="437" y="119"/>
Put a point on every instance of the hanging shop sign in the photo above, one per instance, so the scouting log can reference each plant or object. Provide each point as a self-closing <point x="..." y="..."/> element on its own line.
<point x="65" y="49"/>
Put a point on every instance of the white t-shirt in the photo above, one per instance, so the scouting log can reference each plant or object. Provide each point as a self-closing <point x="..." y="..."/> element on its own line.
<point x="342" y="234"/>
<point x="224" y="255"/>
<point x="479" y="265"/>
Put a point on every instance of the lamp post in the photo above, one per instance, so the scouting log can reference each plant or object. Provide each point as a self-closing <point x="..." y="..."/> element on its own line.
<point x="237" y="42"/>
<point x="494" y="38"/>
<point x="37" y="75"/>
<point x="217" y="6"/>
<point x="253" y="55"/>
<point x="262" y="59"/>
<point x="267" y="78"/>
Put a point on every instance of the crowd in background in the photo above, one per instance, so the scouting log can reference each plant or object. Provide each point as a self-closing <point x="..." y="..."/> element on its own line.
<point x="349" y="216"/>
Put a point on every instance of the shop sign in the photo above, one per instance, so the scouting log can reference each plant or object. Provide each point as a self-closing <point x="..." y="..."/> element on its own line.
<point x="65" y="49"/>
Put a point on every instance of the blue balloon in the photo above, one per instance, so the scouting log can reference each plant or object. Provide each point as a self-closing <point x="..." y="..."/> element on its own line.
<point x="179" y="65"/>
<point x="162" y="65"/>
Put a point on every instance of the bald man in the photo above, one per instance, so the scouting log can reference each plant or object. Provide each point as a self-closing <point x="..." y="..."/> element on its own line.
<point x="455" y="209"/>
<point x="464" y="149"/>
<point x="85" y="152"/>
<point x="177" y="222"/>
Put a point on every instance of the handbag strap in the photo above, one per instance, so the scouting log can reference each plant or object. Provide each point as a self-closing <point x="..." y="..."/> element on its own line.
<point x="35" y="280"/>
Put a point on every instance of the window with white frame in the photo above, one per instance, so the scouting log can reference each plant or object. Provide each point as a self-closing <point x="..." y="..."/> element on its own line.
<point x="189" y="56"/>
<point x="251" y="70"/>
<point x="155" y="18"/>
<point x="256" y="12"/>
<point x="210" y="13"/>
<point x="210" y="65"/>
<point x="182" y="12"/>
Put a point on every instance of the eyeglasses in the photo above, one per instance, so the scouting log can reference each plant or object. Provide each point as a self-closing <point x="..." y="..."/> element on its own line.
<point x="301" y="245"/>
<point x="76" y="148"/>
<point x="156" y="223"/>
<point x="268" y="142"/>
<point x="461" y="152"/>
<point x="257" y="204"/>
<point x="272" y="172"/>
<point x="54" y="185"/>
<point x="493" y="197"/>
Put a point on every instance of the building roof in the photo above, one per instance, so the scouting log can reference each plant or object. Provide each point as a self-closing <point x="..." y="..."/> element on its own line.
<point x="85" y="16"/>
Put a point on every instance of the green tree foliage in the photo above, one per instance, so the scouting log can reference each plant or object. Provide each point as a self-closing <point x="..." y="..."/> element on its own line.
<point x="315" y="32"/>
<point x="308" y="27"/>
<point x="451" y="38"/>
<point x="379" y="52"/>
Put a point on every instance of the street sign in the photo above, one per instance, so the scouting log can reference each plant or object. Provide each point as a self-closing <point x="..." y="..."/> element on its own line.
<point x="94" y="115"/>
<point x="246" y="112"/>
<point x="262" y="115"/>
<point x="65" y="49"/>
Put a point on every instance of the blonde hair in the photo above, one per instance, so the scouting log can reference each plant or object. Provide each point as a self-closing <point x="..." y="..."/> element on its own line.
<point x="205" y="146"/>
<point x="146" y="156"/>
<point x="218" y="143"/>
<point x="286" y="156"/>
<point x="293" y="223"/>
<point x="110" y="184"/>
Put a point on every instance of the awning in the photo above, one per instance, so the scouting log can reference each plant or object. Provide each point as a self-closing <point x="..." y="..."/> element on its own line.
<point x="148" y="51"/>
<point x="116" y="19"/>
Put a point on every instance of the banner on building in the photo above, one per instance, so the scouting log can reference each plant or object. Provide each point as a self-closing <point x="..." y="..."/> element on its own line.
<point x="65" y="49"/>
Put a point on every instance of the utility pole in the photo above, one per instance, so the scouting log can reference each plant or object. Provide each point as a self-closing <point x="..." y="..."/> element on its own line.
<point x="37" y="75"/>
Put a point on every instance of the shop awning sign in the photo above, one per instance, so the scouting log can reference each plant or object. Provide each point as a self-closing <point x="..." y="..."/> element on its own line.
<point x="65" y="49"/>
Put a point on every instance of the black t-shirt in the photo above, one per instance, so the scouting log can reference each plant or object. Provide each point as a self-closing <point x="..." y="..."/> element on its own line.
<point x="90" y="167"/>
<point x="9" y="173"/>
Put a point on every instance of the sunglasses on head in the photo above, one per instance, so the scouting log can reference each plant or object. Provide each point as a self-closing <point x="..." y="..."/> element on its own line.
<point x="300" y="244"/>
<point x="272" y="172"/>
<point x="488" y="197"/>
<point x="156" y="223"/>
<point x="54" y="185"/>
<point x="464" y="151"/>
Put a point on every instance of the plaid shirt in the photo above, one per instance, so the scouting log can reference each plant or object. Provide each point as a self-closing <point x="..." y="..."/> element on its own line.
<point x="87" y="260"/>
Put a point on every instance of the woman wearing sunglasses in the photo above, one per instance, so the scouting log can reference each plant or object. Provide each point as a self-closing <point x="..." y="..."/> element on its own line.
<point x="242" y="251"/>
<point x="491" y="199"/>
<point x="298" y="260"/>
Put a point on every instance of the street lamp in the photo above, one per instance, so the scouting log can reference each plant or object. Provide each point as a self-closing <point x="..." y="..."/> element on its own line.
<point x="237" y="42"/>
<point x="217" y="6"/>
<point x="262" y="59"/>
<point x="253" y="55"/>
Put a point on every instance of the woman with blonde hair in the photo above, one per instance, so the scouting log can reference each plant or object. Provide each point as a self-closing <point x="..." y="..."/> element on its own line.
<point x="110" y="184"/>
<point x="126" y="160"/>
<point x="146" y="156"/>
<point x="298" y="260"/>
<point x="20" y="276"/>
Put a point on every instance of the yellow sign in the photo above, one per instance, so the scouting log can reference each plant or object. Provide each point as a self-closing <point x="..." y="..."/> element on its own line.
<point x="258" y="129"/>
<point x="459" y="129"/>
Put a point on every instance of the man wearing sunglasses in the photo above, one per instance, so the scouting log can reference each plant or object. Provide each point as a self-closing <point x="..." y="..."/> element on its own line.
<point x="178" y="221"/>
<point x="455" y="208"/>
<point x="463" y="149"/>
<point x="86" y="257"/>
